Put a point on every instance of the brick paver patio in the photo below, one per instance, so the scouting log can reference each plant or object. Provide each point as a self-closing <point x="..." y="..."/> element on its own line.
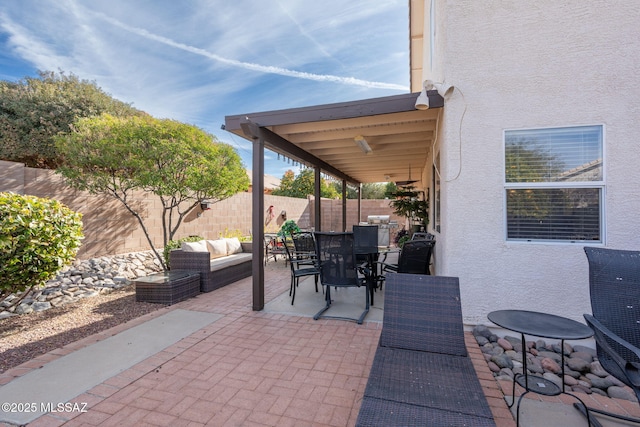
<point x="250" y="369"/>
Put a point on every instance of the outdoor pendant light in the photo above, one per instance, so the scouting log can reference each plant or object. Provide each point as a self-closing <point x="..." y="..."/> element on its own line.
<point x="408" y="181"/>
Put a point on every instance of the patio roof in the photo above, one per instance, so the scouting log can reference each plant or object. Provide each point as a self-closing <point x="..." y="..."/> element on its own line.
<point x="323" y="135"/>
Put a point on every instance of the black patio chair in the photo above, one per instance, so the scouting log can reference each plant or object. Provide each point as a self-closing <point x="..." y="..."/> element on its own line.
<point x="305" y="247"/>
<point x="338" y="268"/>
<point x="614" y="286"/>
<point x="414" y="258"/>
<point x="365" y="246"/>
<point x="419" y="235"/>
<point x="299" y="268"/>
<point x="365" y="239"/>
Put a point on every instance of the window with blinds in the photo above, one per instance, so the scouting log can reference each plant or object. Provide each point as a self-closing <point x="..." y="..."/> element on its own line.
<point x="554" y="184"/>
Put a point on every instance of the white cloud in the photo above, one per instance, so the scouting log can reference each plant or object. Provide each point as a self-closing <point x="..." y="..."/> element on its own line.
<point x="250" y="65"/>
<point x="200" y="60"/>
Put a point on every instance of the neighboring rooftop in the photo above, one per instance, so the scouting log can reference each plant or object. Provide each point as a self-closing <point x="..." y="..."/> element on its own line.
<point x="270" y="181"/>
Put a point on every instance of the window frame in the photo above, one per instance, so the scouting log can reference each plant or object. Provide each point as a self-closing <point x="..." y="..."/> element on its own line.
<point x="599" y="185"/>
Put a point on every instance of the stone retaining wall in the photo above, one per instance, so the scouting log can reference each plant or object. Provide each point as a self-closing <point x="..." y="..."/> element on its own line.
<point x="83" y="279"/>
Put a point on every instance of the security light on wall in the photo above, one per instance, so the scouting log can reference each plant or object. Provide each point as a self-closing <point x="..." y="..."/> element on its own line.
<point x="422" y="102"/>
<point x="437" y="90"/>
<point x="362" y="143"/>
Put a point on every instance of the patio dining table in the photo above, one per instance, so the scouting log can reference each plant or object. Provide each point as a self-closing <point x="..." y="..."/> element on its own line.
<point x="372" y="272"/>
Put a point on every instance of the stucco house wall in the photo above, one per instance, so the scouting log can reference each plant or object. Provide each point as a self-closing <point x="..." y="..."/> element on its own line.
<point x="520" y="65"/>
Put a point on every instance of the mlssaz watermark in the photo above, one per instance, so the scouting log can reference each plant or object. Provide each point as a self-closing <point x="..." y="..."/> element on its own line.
<point x="21" y="407"/>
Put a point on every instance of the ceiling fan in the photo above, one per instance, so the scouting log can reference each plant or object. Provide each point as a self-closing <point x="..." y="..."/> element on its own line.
<point x="407" y="182"/>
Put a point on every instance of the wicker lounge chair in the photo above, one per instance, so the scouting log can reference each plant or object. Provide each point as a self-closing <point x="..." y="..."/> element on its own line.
<point x="423" y="313"/>
<point x="421" y="373"/>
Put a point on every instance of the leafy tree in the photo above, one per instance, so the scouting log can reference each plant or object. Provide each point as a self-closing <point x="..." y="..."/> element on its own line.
<point x="370" y="190"/>
<point x="302" y="185"/>
<point x="180" y="164"/>
<point x="37" y="238"/>
<point x="286" y="184"/>
<point x="352" y="192"/>
<point x="373" y="190"/>
<point x="390" y="189"/>
<point x="527" y="163"/>
<point x="34" y="110"/>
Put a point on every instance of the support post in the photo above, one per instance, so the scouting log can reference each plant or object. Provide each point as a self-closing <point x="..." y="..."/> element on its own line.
<point x="344" y="205"/>
<point x="257" y="223"/>
<point x="316" y="192"/>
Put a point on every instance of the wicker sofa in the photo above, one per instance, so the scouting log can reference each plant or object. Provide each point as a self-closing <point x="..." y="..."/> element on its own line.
<point x="217" y="267"/>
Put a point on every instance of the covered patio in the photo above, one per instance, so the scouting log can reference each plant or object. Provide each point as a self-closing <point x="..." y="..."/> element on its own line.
<point x="398" y="139"/>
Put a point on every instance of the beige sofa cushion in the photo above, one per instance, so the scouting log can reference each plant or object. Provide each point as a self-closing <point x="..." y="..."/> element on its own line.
<point x="200" y="246"/>
<point x="233" y="246"/>
<point x="228" y="261"/>
<point x="217" y="248"/>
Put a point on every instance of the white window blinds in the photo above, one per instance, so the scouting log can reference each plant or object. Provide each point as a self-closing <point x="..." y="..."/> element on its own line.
<point x="554" y="184"/>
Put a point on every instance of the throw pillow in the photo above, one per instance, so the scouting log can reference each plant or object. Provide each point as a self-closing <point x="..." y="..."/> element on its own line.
<point x="233" y="245"/>
<point x="200" y="246"/>
<point x="217" y="248"/>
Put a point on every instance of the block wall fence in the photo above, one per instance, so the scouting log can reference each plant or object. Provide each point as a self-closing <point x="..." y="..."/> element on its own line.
<point x="110" y="229"/>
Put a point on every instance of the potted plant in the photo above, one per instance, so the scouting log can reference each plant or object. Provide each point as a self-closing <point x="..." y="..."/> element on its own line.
<point x="289" y="227"/>
<point x="410" y="205"/>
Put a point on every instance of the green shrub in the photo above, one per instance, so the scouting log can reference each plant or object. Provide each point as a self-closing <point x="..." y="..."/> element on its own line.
<point x="289" y="227"/>
<point x="402" y="240"/>
<point x="235" y="233"/>
<point x="175" y="244"/>
<point x="37" y="238"/>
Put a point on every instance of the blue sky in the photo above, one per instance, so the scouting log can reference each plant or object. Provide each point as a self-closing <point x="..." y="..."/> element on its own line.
<point x="197" y="61"/>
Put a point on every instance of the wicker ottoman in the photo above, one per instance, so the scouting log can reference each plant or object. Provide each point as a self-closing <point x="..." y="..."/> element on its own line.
<point x="168" y="287"/>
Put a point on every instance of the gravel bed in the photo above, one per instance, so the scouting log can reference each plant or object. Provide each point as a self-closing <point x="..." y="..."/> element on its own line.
<point x="25" y="337"/>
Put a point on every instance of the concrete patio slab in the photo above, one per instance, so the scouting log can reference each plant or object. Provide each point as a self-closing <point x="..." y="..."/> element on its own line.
<point x="534" y="413"/>
<point x="347" y="302"/>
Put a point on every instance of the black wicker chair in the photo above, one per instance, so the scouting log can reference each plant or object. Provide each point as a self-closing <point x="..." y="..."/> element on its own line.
<point x="338" y="268"/>
<point x="614" y="286"/>
<point x="415" y="258"/>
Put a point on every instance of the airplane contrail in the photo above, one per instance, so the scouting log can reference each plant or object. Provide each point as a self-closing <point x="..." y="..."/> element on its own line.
<point x="251" y="66"/>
